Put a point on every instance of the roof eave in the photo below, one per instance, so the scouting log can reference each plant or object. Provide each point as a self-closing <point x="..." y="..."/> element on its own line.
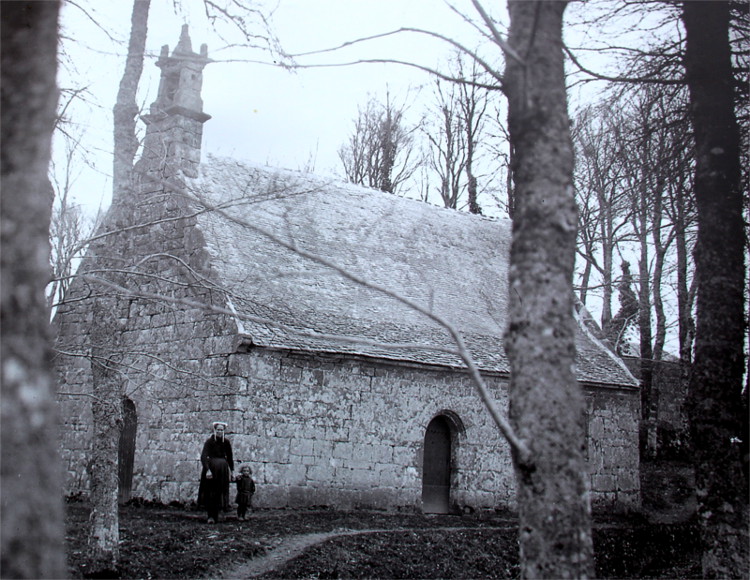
<point x="246" y="343"/>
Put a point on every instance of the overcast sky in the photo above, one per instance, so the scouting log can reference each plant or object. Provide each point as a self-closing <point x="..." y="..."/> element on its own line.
<point x="262" y="113"/>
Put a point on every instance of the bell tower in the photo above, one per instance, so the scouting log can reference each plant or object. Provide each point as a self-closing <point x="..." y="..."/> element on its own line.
<point x="174" y="128"/>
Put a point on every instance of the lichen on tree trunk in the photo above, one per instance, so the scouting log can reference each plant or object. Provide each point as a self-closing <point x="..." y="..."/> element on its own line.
<point x="717" y="419"/>
<point x="105" y="330"/>
<point x="104" y="532"/>
<point x="546" y="403"/>
<point x="32" y="535"/>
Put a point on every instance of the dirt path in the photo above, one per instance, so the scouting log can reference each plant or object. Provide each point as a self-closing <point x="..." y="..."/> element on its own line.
<point x="292" y="546"/>
<point x="288" y="549"/>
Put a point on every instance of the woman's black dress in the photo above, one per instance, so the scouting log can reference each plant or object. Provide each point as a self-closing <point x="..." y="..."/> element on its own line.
<point x="213" y="494"/>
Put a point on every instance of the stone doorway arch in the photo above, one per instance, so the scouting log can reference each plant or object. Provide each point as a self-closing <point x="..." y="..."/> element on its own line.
<point x="438" y="463"/>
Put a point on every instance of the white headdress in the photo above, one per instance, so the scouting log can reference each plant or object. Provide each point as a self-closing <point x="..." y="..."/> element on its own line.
<point x="214" y="425"/>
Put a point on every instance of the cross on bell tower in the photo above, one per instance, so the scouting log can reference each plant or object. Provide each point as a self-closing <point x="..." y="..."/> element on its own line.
<point x="175" y="122"/>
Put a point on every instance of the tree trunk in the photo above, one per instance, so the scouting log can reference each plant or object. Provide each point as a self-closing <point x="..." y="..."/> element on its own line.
<point x="715" y="402"/>
<point x="509" y="186"/>
<point x="472" y="189"/>
<point x="585" y="277"/>
<point x="104" y="533"/>
<point x="686" y="324"/>
<point x="32" y="507"/>
<point x="660" y="251"/>
<point x="608" y="248"/>
<point x="684" y="304"/>
<point x="106" y="406"/>
<point x="471" y="129"/>
<point x="126" y="107"/>
<point x="473" y="106"/>
<point x="546" y="403"/>
<point x="649" y="396"/>
<point x="388" y="149"/>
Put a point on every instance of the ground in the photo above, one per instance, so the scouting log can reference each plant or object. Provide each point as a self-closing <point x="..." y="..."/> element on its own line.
<point x="174" y="542"/>
<point x="160" y="541"/>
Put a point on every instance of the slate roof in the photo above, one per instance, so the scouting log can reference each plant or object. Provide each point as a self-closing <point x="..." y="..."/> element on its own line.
<point x="453" y="263"/>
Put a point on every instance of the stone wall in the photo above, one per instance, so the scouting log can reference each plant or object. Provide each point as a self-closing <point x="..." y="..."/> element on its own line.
<point x="326" y="430"/>
<point x="170" y="350"/>
<point x="350" y="433"/>
<point x="670" y="390"/>
<point x="612" y="437"/>
<point x="343" y="432"/>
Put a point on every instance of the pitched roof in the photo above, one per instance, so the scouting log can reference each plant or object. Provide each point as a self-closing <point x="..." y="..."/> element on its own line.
<point x="453" y="264"/>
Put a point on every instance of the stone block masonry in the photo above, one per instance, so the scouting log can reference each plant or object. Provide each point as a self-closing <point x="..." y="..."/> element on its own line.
<point x="612" y="445"/>
<point x="341" y="425"/>
<point x="326" y="430"/>
<point x="350" y="433"/>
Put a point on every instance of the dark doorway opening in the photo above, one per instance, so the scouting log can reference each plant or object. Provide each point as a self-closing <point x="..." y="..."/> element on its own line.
<point x="126" y="452"/>
<point x="436" y="467"/>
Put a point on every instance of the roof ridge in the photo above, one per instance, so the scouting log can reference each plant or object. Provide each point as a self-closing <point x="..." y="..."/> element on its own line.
<point x="346" y="186"/>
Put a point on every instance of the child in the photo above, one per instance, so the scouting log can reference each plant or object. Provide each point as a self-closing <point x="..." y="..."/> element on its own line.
<point x="245" y="491"/>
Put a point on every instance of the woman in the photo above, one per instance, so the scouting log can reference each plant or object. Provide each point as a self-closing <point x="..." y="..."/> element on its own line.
<point x="218" y="471"/>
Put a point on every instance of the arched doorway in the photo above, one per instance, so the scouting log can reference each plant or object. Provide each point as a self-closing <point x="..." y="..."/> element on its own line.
<point x="126" y="452"/>
<point x="436" y="467"/>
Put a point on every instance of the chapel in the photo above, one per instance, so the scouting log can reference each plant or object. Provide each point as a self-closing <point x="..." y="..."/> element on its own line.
<point x="282" y="303"/>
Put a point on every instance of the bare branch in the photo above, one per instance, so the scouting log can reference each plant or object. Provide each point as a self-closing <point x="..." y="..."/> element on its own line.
<point x="620" y="79"/>
<point x="492" y="70"/>
<point x="499" y="40"/>
<point x="93" y="20"/>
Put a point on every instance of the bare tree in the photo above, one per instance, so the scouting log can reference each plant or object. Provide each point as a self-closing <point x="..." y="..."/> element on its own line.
<point x="32" y="508"/>
<point x="682" y="214"/>
<point x="104" y="536"/>
<point x="546" y="403"/>
<point x="455" y="143"/>
<point x="68" y="232"/>
<point x="655" y="147"/>
<point x="69" y="226"/>
<point x="650" y="134"/>
<point x="447" y="146"/>
<point x="602" y="196"/>
<point x="501" y="153"/>
<point x="716" y="407"/>
<point x="380" y="152"/>
<point x="473" y="104"/>
<point x="641" y="197"/>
